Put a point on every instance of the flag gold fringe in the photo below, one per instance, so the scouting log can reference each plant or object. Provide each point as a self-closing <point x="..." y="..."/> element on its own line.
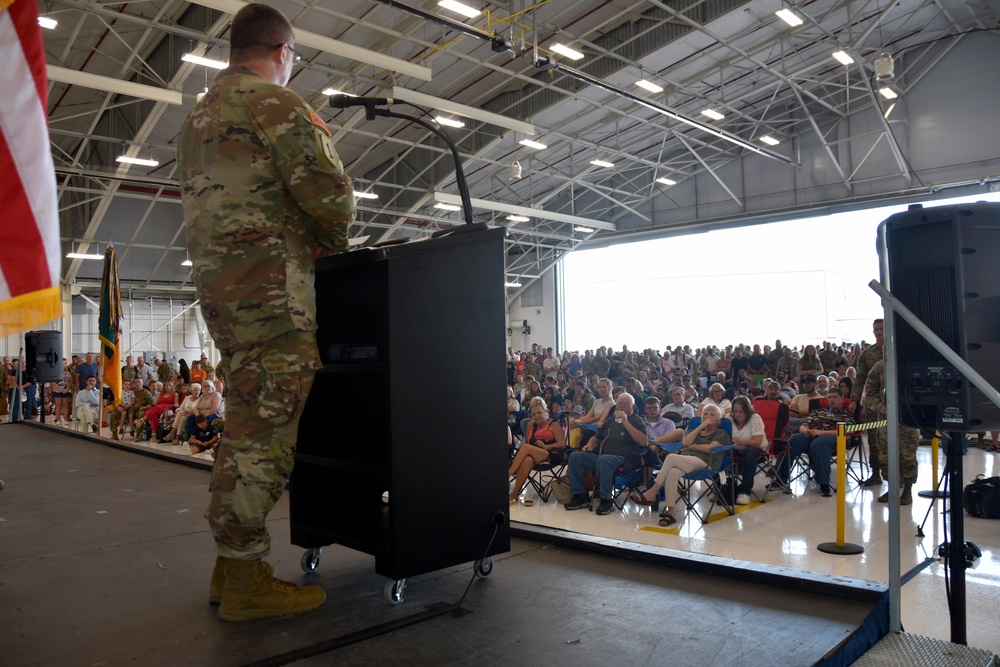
<point x="26" y="311"/>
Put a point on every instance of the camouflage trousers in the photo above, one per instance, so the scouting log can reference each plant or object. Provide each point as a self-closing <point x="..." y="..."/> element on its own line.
<point x="907" y="453"/>
<point x="267" y="390"/>
<point x="115" y="417"/>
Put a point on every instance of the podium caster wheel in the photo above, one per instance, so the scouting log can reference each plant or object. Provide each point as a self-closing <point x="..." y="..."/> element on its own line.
<point x="484" y="567"/>
<point x="394" y="591"/>
<point x="310" y="559"/>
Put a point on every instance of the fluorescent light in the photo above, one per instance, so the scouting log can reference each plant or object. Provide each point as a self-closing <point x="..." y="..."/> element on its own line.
<point x="459" y="8"/>
<point x="769" y="140"/>
<point x="888" y="93"/>
<point x="357" y="240"/>
<point x="425" y="100"/>
<point x="889" y="110"/>
<point x="842" y="57"/>
<point x="137" y="160"/>
<point x="83" y="255"/>
<point x="666" y="181"/>
<point x="47" y="23"/>
<point x="518" y="218"/>
<point x="649" y="85"/>
<point x="562" y="50"/>
<point x="450" y="122"/>
<point x="201" y="60"/>
<point x="108" y="85"/>
<point x="513" y="284"/>
<point x="602" y="163"/>
<point x="365" y="195"/>
<point x="533" y="144"/>
<point x="585" y="230"/>
<point x="531" y="211"/>
<point x="333" y="91"/>
<point x="447" y="207"/>
<point x="713" y="114"/>
<point x="789" y="17"/>
<point x="187" y="262"/>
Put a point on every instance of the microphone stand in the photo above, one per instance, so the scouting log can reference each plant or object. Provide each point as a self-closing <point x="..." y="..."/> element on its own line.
<point x="463" y="187"/>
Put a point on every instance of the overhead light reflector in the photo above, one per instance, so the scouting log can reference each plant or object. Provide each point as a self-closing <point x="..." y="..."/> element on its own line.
<point x="357" y="240"/>
<point x="366" y="195"/>
<point x="201" y="60"/>
<point x="769" y="140"/>
<point x="585" y="230"/>
<point x="83" y="255"/>
<point x="513" y="284"/>
<point x="47" y="23"/>
<point x="459" y="8"/>
<point x="713" y="114"/>
<point x="563" y="50"/>
<point x="187" y="262"/>
<point x="450" y="122"/>
<point x="649" y="85"/>
<point x="666" y="181"/>
<point x="137" y="160"/>
<point x="789" y="17"/>
<point x="518" y="218"/>
<point x="533" y="144"/>
<point x="842" y="58"/>
<point x="602" y="163"/>
<point x="447" y="207"/>
<point x="888" y="93"/>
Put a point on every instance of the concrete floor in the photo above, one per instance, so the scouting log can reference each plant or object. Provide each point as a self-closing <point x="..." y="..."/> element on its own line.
<point x="105" y="560"/>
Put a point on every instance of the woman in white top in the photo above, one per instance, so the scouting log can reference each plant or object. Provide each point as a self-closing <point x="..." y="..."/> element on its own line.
<point x="601" y="407"/>
<point x="184" y="410"/>
<point x="750" y="442"/>
<point x="716" y="395"/>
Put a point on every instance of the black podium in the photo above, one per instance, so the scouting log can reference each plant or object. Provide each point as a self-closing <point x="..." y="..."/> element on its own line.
<point x="402" y="452"/>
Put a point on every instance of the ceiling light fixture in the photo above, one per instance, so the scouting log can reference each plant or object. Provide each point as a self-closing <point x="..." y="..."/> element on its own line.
<point x="582" y="229"/>
<point x="365" y="195"/>
<point x="425" y="100"/>
<point x="459" y="8"/>
<point x="769" y="140"/>
<point x="125" y="159"/>
<point x="533" y="144"/>
<point x="649" y="85"/>
<point x="713" y="114"/>
<point x="789" y="17"/>
<point x="529" y="211"/>
<point x="187" y="262"/>
<point x="513" y="284"/>
<point x="518" y="218"/>
<point x="564" y="50"/>
<point x="108" y="85"/>
<point x="202" y="60"/>
<point x="357" y="240"/>
<point x="333" y="91"/>
<point x="83" y="255"/>
<point x="447" y="207"/>
<point x="842" y="57"/>
<point x="666" y="181"/>
<point x="888" y="93"/>
<point x="889" y="110"/>
<point x="602" y="163"/>
<point x="47" y="23"/>
<point x="450" y="122"/>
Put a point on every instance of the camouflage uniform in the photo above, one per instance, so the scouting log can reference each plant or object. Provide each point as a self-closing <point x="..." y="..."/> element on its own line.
<point x="863" y="366"/>
<point x="128" y="374"/>
<point x="143" y="400"/>
<point x="208" y="367"/>
<point x="874" y="402"/>
<point x="115" y="415"/>
<point x="261" y="184"/>
<point x="165" y="371"/>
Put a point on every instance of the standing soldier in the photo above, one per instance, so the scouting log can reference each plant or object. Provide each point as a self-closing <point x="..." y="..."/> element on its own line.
<point x="875" y="404"/>
<point x="205" y="365"/>
<point x="263" y="187"/>
<point x="128" y="372"/>
<point x="863" y="366"/>
<point x="164" y="371"/>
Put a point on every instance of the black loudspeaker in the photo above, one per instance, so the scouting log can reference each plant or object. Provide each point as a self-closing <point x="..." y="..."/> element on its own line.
<point x="943" y="267"/>
<point x="43" y="356"/>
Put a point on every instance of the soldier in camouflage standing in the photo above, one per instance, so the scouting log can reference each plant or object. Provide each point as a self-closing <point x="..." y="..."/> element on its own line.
<point x="262" y="187"/>
<point x="863" y="365"/>
<point x="875" y="404"/>
<point x="164" y="371"/>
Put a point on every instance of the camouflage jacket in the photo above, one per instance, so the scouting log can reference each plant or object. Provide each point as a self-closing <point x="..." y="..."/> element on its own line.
<point x="165" y="372"/>
<point x="863" y="365"/>
<point x="262" y="185"/>
<point x="143" y="399"/>
<point x="875" y="389"/>
<point x="128" y="373"/>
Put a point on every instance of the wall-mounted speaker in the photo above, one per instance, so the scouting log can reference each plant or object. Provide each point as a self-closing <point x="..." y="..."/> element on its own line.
<point x="43" y="356"/>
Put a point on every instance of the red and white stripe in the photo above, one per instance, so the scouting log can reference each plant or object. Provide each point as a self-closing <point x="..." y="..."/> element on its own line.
<point x="29" y="230"/>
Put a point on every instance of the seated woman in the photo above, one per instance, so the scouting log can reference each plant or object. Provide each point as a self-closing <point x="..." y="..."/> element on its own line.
<point x="207" y="404"/>
<point x="544" y="441"/>
<point x="533" y="390"/>
<point x="716" y="397"/>
<point x="750" y="441"/>
<point x="186" y="399"/>
<point x="167" y="401"/>
<point x="696" y="455"/>
<point x="595" y="415"/>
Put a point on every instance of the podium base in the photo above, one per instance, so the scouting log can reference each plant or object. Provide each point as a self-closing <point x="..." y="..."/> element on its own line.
<point x="845" y="549"/>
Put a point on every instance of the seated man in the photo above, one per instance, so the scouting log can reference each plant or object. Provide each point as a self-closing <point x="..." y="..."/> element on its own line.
<point x="659" y="431"/>
<point x="800" y="406"/>
<point x="621" y="439"/>
<point x="818" y="436"/>
<point x="88" y="405"/>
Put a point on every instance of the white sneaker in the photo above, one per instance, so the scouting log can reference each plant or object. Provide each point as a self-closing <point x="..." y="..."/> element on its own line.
<point x="743" y="499"/>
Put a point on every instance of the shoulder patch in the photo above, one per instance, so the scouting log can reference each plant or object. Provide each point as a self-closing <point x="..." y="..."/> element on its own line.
<point x="318" y="122"/>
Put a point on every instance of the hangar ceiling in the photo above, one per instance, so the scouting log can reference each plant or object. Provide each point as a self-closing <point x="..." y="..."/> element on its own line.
<point x="839" y="141"/>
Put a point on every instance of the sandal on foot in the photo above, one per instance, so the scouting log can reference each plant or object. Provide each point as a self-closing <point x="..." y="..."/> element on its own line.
<point x="528" y="502"/>
<point x="667" y="519"/>
<point x="637" y="498"/>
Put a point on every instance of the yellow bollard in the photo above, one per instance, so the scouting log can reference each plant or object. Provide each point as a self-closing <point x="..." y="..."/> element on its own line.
<point x="840" y="546"/>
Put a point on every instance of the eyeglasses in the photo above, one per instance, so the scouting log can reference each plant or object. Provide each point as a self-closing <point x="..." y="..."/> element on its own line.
<point x="295" y="54"/>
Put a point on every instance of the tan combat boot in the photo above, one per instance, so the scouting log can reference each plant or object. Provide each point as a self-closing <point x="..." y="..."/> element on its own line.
<point x="906" y="498"/>
<point x="250" y="592"/>
<point x="219" y="579"/>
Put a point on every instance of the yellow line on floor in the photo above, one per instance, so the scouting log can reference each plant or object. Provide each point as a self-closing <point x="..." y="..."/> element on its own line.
<point x="715" y="517"/>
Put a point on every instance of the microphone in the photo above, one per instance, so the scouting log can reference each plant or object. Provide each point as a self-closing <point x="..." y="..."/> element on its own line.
<point x="342" y="101"/>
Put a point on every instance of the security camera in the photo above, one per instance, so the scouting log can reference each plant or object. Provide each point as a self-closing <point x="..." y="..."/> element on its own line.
<point x="514" y="171"/>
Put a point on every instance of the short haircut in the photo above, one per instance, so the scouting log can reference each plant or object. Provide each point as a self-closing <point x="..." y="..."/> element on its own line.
<point x="836" y="390"/>
<point x="200" y="419"/>
<point x="92" y="377"/>
<point x="257" y="29"/>
<point x="711" y="407"/>
<point x="652" y="400"/>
